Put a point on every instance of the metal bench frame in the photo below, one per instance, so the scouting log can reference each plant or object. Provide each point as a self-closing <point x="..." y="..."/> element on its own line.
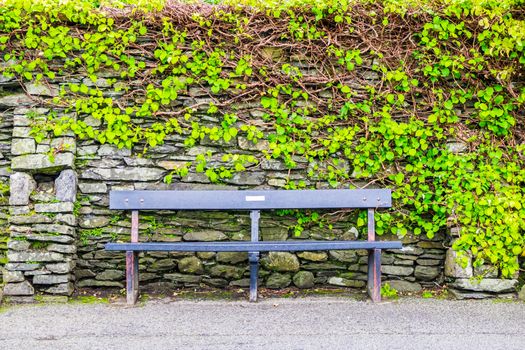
<point x="253" y="201"/>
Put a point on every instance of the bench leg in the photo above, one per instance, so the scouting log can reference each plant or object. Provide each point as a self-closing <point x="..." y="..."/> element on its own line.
<point x="374" y="274"/>
<point x="254" y="273"/>
<point x="132" y="277"/>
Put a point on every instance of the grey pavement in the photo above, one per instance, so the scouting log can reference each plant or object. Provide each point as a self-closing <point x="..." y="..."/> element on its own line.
<point x="302" y="323"/>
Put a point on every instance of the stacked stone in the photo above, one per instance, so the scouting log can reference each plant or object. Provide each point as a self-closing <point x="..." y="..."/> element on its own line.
<point x="6" y="126"/>
<point x="475" y="282"/>
<point x="42" y="245"/>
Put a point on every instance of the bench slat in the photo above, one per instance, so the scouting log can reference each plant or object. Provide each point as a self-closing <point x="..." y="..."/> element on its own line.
<point x="246" y="246"/>
<point x="250" y="200"/>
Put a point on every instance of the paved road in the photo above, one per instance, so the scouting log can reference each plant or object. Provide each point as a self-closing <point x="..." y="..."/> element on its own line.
<point x="304" y="323"/>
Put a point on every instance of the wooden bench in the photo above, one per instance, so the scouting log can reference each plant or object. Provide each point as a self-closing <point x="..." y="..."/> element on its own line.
<point x="253" y="201"/>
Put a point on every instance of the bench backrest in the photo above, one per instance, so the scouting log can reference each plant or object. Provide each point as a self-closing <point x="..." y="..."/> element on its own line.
<point x="250" y="200"/>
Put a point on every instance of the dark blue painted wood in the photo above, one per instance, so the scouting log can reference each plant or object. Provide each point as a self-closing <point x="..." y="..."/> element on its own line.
<point x="250" y="200"/>
<point x="261" y="246"/>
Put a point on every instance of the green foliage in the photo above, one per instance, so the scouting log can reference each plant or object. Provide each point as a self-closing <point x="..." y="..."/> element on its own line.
<point x="379" y="109"/>
<point x="388" y="292"/>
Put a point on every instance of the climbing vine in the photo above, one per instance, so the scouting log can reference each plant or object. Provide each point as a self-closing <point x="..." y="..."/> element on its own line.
<point x="425" y="97"/>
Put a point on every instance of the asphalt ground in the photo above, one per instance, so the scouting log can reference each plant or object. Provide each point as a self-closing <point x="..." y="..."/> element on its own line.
<point x="274" y="323"/>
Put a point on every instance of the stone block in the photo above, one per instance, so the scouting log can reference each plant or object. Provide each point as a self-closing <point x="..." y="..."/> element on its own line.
<point x="96" y="187"/>
<point x="110" y="275"/>
<point x="343" y="282"/>
<point x="281" y="261"/>
<point x="397" y="270"/>
<point x="23" y="288"/>
<point x="304" y="279"/>
<point x="427" y="273"/>
<point x="404" y="286"/>
<point x="23" y="146"/>
<point x="181" y="278"/>
<point x="190" y="264"/>
<point x="39" y="89"/>
<point x="278" y="280"/>
<point x="62" y="248"/>
<point x="454" y="269"/>
<point x="66" y="186"/>
<point x="34" y="256"/>
<point x="62" y="207"/>
<point x="227" y="271"/>
<point x="247" y="178"/>
<point x="13" y="276"/>
<point x="205" y="236"/>
<point x="127" y="174"/>
<point x="21" y="185"/>
<point x="486" y="285"/>
<point x="313" y="256"/>
<point x="61" y="268"/>
<point x="50" y="279"/>
<point x="16" y="100"/>
<point x="344" y="255"/>
<point x="42" y="163"/>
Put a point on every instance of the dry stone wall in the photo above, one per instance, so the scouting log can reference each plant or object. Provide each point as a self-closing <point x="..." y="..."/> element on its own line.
<point x="56" y="220"/>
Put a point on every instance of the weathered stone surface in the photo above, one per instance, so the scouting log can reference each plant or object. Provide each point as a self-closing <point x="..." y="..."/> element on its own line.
<point x="343" y="282"/>
<point x="110" y="275"/>
<point x="39" y="89"/>
<point x="23" y="146"/>
<point x="68" y="219"/>
<point x="50" y="279"/>
<point x="30" y="219"/>
<point x="247" y="178"/>
<point x="162" y="264"/>
<point x="47" y="238"/>
<point x="97" y="187"/>
<point x="16" y="100"/>
<point x="61" y="289"/>
<point x="206" y="236"/>
<point x="404" y="286"/>
<point x="18" y="245"/>
<point x="23" y="288"/>
<point x="62" y="248"/>
<point x="21" y="185"/>
<point x="54" y="228"/>
<point x="427" y="273"/>
<point x="428" y="262"/>
<point x="281" y="261"/>
<point x="112" y="151"/>
<point x="227" y="271"/>
<point x="274" y="233"/>
<point x="13" y="276"/>
<point x="42" y="162"/>
<point x="453" y="269"/>
<point x="278" y="280"/>
<point x="304" y="279"/>
<point x="180" y="278"/>
<point x="66" y="186"/>
<point x="99" y="283"/>
<point x="94" y="222"/>
<point x="344" y="255"/>
<point x="62" y="268"/>
<point x="313" y="256"/>
<point x="190" y="264"/>
<point x="127" y="174"/>
<point x="62" y="207"/>
<point x="34" y="256"/>
<point x="231" y="257"/>
<point x="486" y="285"/>
<point x="397" y="270"/>
<point x="21" y="266"/>
<point x="486" y="271"/>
